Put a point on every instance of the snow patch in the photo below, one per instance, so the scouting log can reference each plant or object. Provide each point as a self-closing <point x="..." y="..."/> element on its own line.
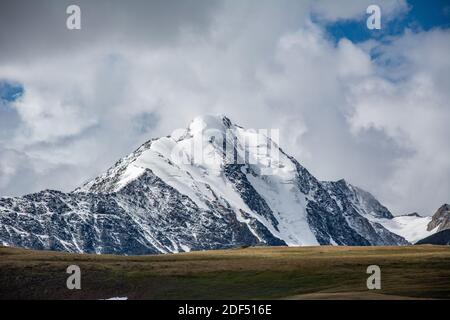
<point x="411" y="228"/>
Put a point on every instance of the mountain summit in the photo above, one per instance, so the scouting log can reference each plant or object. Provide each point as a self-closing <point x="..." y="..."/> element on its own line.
<point x="211" y="185"/>
<point x="441" y="219"/>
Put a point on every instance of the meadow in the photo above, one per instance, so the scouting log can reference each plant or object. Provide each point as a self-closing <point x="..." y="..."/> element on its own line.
<point x="245" y="273"/>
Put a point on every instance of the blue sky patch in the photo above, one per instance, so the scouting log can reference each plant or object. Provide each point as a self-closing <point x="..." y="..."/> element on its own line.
<point x="10" y="91"/>
<point x="422" y="15"/>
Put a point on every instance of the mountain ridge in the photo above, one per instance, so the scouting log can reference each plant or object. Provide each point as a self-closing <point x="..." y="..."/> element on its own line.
<point x="439" y="238"/>
<point x="170" y="195"/>
<point x="441" y="219"/>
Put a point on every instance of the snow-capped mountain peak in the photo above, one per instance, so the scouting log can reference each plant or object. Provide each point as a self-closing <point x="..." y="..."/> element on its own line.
<point x="213" y="184"/>
<point x="208" y="162"/>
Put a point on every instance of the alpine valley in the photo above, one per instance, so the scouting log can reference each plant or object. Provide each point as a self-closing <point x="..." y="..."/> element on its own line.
<point x="213" y="185"/>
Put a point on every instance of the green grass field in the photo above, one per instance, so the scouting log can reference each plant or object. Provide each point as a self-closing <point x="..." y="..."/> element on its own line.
<point x="251" y="273"/>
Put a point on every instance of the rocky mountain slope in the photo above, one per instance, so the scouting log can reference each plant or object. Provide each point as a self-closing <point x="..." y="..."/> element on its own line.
<point x="441" y="219"/>
<point x="440" y="238"/>
<point x="212" y="185"/>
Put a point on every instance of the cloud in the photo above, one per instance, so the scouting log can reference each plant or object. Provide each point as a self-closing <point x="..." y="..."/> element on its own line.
<point x="413" y="111"/>
<point x="371" y="113"/>
<point x="38" y="28"/>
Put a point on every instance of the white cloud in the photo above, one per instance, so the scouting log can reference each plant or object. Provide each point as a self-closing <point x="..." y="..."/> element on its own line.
<point x="414" y="111"/>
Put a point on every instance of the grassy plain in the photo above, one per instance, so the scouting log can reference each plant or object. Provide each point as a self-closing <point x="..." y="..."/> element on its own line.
<point x="247" y="273"/>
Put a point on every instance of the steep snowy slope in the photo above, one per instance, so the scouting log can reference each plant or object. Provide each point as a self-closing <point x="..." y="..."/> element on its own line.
<point x="412" y="228"/>
<point x="212" y="185"/>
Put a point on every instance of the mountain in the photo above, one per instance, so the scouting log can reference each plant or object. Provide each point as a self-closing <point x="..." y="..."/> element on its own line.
<point x="440" y="238"/>
<point x="212" y="185"/>
<point x="410" y="227"/>
<point x="414" y="227"/>
<point x="441" y="219"/>
<point x="361" y="200"/>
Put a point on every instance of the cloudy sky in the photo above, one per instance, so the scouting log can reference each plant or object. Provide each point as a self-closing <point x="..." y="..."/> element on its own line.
<point x="370" y="106"/>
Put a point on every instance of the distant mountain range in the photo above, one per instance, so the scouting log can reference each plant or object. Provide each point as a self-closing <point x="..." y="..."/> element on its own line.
<point x="213" y="185"/>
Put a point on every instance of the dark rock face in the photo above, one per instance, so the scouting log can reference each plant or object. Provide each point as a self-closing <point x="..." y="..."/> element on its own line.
<point x="441" y="238"/>
<point x="332" y="228"/>
<point x="356" y="204"/>
<point x="362" y="200"/>
<point x="413" y="214"/>
<point x="147" y="204"/>
<point x="441" y="219"/>
<point x="145" y="217"/>
<point x="69" y="222"/>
